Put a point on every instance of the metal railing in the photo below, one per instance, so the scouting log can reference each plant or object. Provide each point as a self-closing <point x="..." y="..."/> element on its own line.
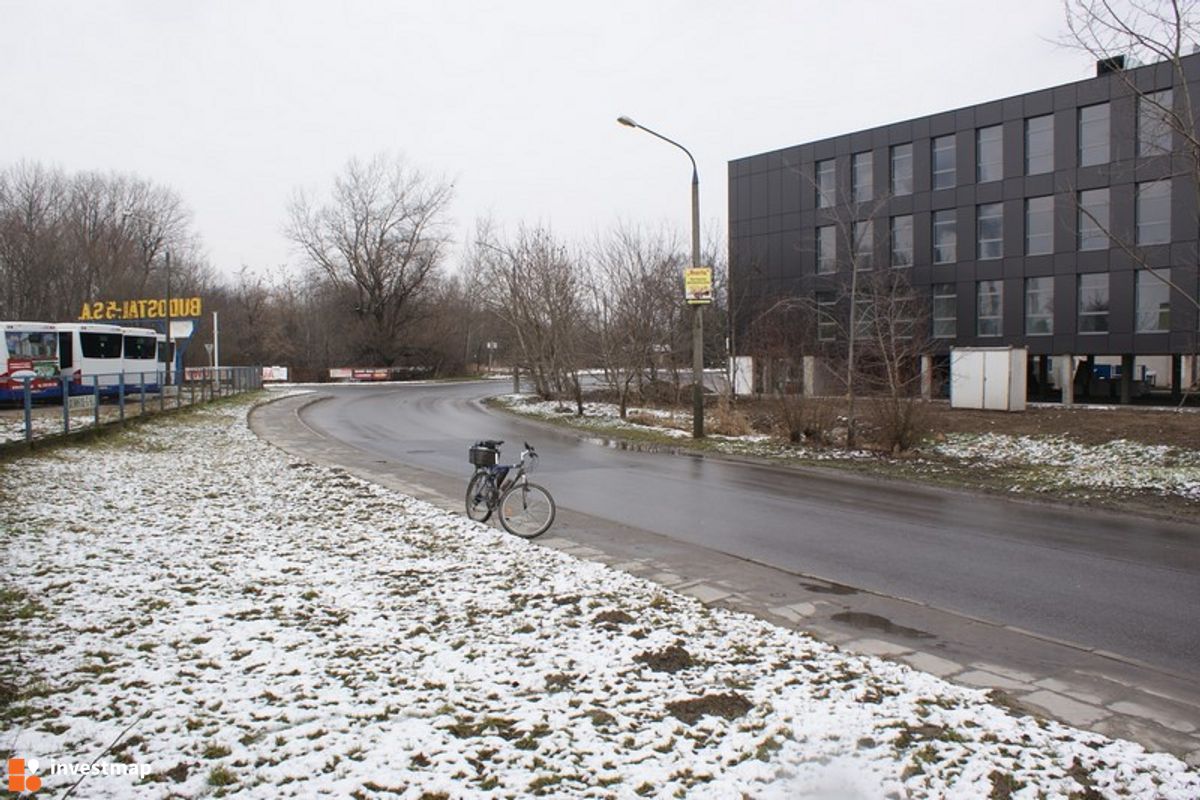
<point x="65" y="406"/>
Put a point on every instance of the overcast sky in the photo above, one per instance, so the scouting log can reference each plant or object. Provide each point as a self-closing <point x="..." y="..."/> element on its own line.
<point x="236" y="104"/>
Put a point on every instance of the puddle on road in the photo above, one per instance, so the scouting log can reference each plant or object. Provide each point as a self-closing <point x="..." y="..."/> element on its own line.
<point x="829" y="588"/>
<point x="859" y="619"/>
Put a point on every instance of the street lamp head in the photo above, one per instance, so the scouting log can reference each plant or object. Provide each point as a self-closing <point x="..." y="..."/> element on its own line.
<point x="627" y="122"/>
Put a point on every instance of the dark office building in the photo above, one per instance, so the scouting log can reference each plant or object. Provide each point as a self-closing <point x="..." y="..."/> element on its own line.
<point x="1027" y="221"/>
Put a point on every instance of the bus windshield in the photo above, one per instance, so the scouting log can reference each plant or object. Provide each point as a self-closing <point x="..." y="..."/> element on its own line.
<point x="31" y="344"/>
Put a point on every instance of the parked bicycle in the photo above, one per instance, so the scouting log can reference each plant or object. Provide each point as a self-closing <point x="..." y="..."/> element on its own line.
<point x="525" y="509"/>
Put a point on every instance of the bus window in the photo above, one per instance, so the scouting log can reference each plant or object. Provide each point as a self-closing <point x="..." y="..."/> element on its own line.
<point x="30" y="344"/>
<point x="100" y="345"/>
<point x="64" y="350"/>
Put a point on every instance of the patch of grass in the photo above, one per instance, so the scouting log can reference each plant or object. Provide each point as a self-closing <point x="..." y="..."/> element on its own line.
<point x="215" y="750"/>
<point x="221" y="777"/>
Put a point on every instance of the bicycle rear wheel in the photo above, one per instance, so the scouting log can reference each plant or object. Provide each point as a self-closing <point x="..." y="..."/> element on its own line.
<point x="527" y="510"/>
<point x="479" y="492"/>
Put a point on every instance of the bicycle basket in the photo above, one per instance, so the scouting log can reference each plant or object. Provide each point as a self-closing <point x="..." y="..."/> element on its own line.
<point x="483" y="456"/>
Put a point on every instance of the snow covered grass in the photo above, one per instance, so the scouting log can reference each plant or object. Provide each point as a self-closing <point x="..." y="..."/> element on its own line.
<point x="272" y="628"/>
<point x="1059" y="463"/>
<point x="1035" y="465"/>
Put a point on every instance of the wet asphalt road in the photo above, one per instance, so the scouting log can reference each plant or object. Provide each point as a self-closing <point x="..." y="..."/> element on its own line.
<point x="1104" y="581"/>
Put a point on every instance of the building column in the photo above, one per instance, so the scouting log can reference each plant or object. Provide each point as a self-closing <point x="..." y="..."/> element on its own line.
<point x="810" y="376"/>
<point x="1176" y="377"/>
<point x="1043" y="377"/>
<point x="927" y="378"/>
<point x="1126" y="379"/>
<point x="1065" y="375"/>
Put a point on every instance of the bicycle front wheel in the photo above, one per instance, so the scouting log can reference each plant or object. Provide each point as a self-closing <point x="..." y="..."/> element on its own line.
<point x="479" y="492"/>
<point x="527" y="510"/>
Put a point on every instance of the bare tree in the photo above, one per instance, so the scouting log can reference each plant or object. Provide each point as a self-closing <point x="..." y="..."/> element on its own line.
<point x="533" y="284"/>
<point x="634" y="292"/>
<point x="381" y="238"/>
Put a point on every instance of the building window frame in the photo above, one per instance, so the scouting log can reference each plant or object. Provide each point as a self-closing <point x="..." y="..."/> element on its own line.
<point x="1152" y="302"/>
<point x="900" y="241"/>
<point x="944" y="236"/>
<point x="827" y="326"/>
<point x="1039" y="306"/>
<point x="989" y="153"/>
<point x="902" y="169"/>
<point x="944" y="309"/>
<point x="943" y="161"/>
<point x="989" y="220"/>
<point x="1039" y="225"/>
<point x="826" y="175"/>
<point x="1094" y="132"/>
<point x="1093" y="303"/>
<point x="989" y="308"/>
<point x="1154" y="132"/>
<point x="863" y="232"/>
<point x="826" y="249"/>
<point x="1039" y="144"/>
<point x="1092" y="206"/>
<point x="1152" y="212"/>
<point x="862" y="176"/>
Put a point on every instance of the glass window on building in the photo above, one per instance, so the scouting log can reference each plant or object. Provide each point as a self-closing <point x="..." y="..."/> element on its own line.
<point x="902" y="174"/>
<point x="1092" y="222"/>
<point x="1153" y="123"/>
<point x="1039" y="144"/>
<point x="1039" y="226"/>
<point x="1153" y="212"/>
<point x="1039" y="306"/>
<point x="864" y="244"/>
<point x="826" y="249"/>
<point x="826" y="184"/>
<point x="1093" y="303"/>
<point x="902" y="241"/>
<point x="826" y="316"/>
<point x="989" y="308"/>
<point x="1153" y="302"/>
<point x="945" y="236"/>
<point x="862" y="177"/>
<point x="989" y="154"/>
<point x="945" y="310"/>
<point x="1093" y="135"/>
<point x="944" y="162"/>
<point x="989" y="231"/>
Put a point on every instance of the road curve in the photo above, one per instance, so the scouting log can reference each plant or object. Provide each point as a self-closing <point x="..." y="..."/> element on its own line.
<point x="1104" y="581"/>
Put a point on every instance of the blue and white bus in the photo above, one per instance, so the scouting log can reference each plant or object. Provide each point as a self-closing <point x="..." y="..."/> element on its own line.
<point x="91" y="354"/>
<point x="28" y="350"/>
<point x="139" y="359"/>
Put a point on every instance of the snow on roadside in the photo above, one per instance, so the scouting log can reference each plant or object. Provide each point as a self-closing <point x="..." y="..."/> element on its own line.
<point x="289" y="630"/>
<point x="1116" y="465"/>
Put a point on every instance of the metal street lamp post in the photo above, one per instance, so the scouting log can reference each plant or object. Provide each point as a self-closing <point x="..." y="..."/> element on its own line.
<point x="698" y="308"/>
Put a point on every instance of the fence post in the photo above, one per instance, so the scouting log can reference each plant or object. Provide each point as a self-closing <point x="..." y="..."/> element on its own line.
<point x="28" y="392"/>
<point x="66" y="394"/>
<point x="96" y="397"/>
<point x="142" y="381"/>
<point x="121" y="395"/>
<point x="192" y="393"/>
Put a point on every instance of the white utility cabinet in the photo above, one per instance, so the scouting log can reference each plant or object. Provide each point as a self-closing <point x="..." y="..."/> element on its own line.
<point x="990" y="378"/>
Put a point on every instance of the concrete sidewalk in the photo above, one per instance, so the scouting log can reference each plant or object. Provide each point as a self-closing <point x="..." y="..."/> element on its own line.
<point x="1083" y="687"/>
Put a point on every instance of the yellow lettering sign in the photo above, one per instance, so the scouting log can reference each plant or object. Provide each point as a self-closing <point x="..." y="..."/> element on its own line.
<point x="141" y="309"/>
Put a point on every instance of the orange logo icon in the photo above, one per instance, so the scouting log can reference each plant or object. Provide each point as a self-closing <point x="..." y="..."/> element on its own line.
<point x="18" y="781"/>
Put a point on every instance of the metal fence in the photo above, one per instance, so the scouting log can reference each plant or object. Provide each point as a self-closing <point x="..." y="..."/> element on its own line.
<point x="74" y="406"/>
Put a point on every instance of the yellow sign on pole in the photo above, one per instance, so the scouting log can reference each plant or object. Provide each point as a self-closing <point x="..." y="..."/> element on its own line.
<point x="697" y="285"/>
<point x="119" y="310"/>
